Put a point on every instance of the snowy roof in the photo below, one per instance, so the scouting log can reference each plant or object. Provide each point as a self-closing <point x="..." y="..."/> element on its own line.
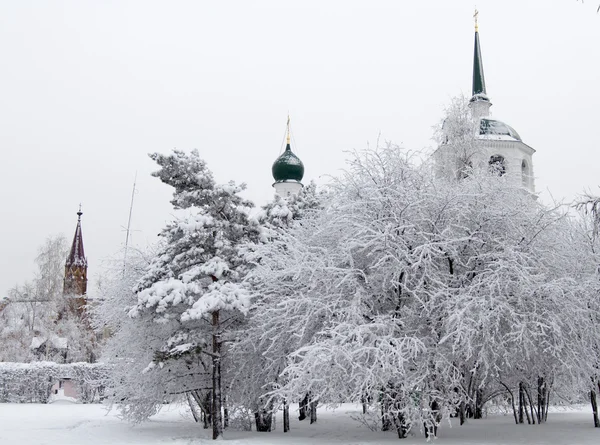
<point x="57" y="342"/>
<point x="36" y="342"/>
<point x="497" y="130"/>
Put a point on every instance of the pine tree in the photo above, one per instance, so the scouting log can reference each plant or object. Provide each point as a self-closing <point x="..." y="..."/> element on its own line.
<point x="191" y="290"/>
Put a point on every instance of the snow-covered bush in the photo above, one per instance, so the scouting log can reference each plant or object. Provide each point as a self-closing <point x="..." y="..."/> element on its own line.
<point x="32" y="382"/>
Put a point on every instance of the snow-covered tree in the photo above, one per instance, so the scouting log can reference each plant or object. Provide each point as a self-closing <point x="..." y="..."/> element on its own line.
<point x="423" y="295"/>
<point x="458" y="150"/>
<point x="39" y="309"/>
<point x="254" y="363"/>
<point x="588" y="206"/>
<point x="189" y="298"/>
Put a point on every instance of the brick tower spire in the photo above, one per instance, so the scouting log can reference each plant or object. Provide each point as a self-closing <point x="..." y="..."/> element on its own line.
<point x="75" y="282"/>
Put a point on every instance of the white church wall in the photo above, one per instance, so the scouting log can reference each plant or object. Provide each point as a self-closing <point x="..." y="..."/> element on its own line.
<point x="287" y="188"/>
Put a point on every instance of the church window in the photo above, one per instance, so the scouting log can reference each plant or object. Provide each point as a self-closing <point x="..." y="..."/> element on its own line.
<point x="524" y="173"/>
<point x="497" y="165"/>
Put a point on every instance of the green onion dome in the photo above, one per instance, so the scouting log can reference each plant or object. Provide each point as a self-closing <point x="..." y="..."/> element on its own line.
<point x="288" y="167"/>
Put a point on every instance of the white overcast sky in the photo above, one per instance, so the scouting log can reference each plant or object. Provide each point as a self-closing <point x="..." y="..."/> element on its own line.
<point x="90" y="87"/>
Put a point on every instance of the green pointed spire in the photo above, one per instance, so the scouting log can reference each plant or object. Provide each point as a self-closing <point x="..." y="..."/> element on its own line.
<point x="478" y="78"/>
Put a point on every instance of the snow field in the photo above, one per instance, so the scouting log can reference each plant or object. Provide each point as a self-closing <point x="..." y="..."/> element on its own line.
<point x="73" y="424"/>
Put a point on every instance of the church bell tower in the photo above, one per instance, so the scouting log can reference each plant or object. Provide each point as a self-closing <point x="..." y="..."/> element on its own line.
<point x="75" y="282"/>
<point x="495" y="145"/>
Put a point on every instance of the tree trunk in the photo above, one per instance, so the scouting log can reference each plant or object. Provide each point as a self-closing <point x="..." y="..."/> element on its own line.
<point x="531" y="407"/>
<point x="514" y="408"/>
<point x="205" y="407"/>
<point x="217" y="425"/>
<point x="386" y="423"/>
<point x="521" y="402"/>
<point x="547" y="402"/>
<point x="264" y="420"/>
<point x="286" y="417"/>
<point x="478" y="414"/>
<point x="541" y="400"/>
<point x="524" y="400"/>
<point x="313" y="411"/>
<point x="386" y="420"/>
<point x="225" y="413"/>
<point x="594" y="408"/>
<point x="191" y="402"/>
<point x="401" y="426"/>
<point x="512" y="402"/>
<point x="461" y="412"/>
<point x="303" y="408"/>
<point x="208" y="410"/>
<point x="430" y="427"/>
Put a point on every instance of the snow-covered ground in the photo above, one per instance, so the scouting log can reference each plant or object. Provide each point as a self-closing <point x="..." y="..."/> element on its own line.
<point x="72" y="424"/>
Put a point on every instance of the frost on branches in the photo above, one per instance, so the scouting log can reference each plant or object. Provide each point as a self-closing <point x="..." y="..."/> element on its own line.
<point x="424" y="297"/>
<point x="39" y="322"/>
<point x="190" y="296"/>
<point x="257" y="369"/>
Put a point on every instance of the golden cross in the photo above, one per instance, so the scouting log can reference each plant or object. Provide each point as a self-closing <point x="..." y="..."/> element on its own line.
<point x="475" y="16"/>
<point x="288" y="129"/>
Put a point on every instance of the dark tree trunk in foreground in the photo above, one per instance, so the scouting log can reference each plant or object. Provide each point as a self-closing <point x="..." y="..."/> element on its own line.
<point x="217" y="425"/>
<point x="530" y="402"/>
<point x="207" y="410"/>
<point x="594" y="408"/>
<point x="191" y="402"/>
<point x="430" y="427"/>
<point x="313" y="411"/>
<point x="264" y="420"/>
<point x="386" y="417"/>
<point x="386" y="422"/>
<point x="303" y="408"/>
<point x="225" y="413"/>
<point x="461" y="413"/>
<point x="541" y="400"/>
<point x="401" y="426"/>
<point x="478" y="413"/>
<point x="205" y="406"/>
<point x="512" y="402"/>
<point x="521" y="403"/>
<point x="286" y="417"/>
